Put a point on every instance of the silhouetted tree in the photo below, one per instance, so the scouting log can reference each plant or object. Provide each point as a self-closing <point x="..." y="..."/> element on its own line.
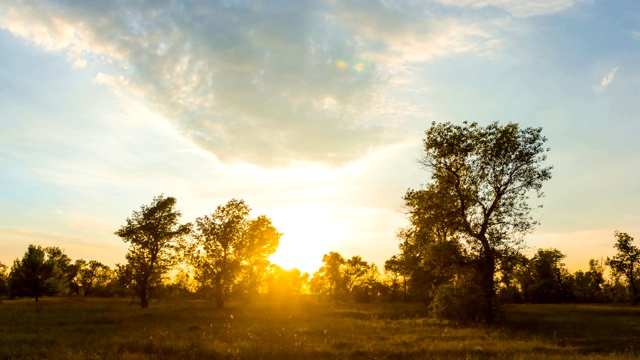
<point x="94" y="277"/>
<point x="588" y="286"/>
<point x="260" y="241"/>
<point x="34" y="275"/>
<point x="481" y="180"/>
<point x="546" y="280"/>
<point x="230" y="250"/>
<point x="431" y="251"/>
<point x="328" y="280"/>
<point x="626" y="262"/>
<point x="152" y="234"/>
<point x="123" y="279"/>
<point x="398" y="271"/>
<point x="4" y="281"/>
<point x="65" y="269"/>
<point x="362" y="279"/>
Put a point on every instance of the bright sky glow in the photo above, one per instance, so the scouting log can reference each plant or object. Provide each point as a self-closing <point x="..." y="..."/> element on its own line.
<point x="312" y="112"/>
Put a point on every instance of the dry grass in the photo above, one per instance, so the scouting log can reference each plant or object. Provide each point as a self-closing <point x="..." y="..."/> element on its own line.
<point x="110" y="329"/>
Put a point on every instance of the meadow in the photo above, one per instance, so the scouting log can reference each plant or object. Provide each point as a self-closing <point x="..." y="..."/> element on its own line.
<point x="78" y="328"/>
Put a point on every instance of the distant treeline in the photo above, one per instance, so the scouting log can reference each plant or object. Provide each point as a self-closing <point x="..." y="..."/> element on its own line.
<point x="542" y="278"/>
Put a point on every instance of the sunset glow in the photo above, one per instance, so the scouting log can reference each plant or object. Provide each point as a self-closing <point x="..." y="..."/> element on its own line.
<point x="311" y="112"/>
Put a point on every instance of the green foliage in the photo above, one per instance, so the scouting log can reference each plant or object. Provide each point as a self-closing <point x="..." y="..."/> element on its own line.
<point x="152" y="234"/>
<point x="476" y="207"/>
<point x="398" y="272"/>
<point x="459" y="299"/>
<point x="94" y="278"/>
<point x="545" y="278"/>
<point x="627" y="263"/>
<point x="327" y="281"/>
<point x="65" y="271"/>
<point x="35" y="274"/>
<point x="341" y="280"/>
<point x="588" y="287"/>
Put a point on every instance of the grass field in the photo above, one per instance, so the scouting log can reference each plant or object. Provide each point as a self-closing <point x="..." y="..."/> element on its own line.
<point x="76" y="328"/>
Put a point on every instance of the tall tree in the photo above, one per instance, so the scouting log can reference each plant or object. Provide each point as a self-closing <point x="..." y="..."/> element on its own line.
<point x="627" y="262"/>
<point x="215" y="251"/>
<point x="152" y="234"/>
<point x="258" y="243"/>
<point x="34" y="275"/>
<point x="481" y="182"/>
<point x="65" y="269"/>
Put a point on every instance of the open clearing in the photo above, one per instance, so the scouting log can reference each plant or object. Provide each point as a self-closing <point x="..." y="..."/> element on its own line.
<point x="76" y="328"/>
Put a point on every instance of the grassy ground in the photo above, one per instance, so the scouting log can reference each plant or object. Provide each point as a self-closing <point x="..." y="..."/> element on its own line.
<point x="110" y="329"/>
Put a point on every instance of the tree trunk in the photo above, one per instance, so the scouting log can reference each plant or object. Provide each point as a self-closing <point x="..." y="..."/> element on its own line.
<point x="219" y="292"/>
<point x="634" y="290"/>
<point x="144" y="302"/>
<point x="487" y="284"/>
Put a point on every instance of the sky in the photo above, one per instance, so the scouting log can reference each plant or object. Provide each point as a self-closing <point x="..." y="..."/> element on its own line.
<point x="312" y="111"/>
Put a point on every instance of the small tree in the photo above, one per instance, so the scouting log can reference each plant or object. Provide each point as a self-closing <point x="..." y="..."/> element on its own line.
<point x="328" y="281"/>
<point x="34" y="275"/>
<point x="626" y="262"/>
<point x="546" y="280"/>
<point x="397" y="271"/>
<point x="4" y="281"/>
<point x="152" y="233"/>
<point x="94" y="277"/>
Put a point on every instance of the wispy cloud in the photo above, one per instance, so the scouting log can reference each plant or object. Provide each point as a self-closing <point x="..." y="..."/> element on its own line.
<point x="608" y="79"/>
<point x="270" y="85"/>
<point x="518" y="8"/>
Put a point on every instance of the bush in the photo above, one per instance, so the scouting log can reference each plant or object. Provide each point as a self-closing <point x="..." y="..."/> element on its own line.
<point x="459" y="300"/>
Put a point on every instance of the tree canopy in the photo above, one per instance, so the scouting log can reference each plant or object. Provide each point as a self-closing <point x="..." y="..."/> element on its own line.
<point x="626" y="262"/>
<point x="228" y="242"/>
<point x="35" y="274"/>
<point x="481" y="181"/>
<point x="152" y="234"/>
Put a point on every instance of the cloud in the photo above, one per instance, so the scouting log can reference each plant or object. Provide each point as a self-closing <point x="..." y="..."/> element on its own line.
<point x="608" y="79"/>
<point x="518" y="8"/>
<point x="269" y="84"/>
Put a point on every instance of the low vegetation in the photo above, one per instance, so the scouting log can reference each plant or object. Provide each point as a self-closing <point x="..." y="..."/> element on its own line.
<point x="81" y="328"/>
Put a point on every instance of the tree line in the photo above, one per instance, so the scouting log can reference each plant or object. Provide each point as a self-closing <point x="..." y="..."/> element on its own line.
<point x="540" y="278"/>
<point x="461" y="254"/>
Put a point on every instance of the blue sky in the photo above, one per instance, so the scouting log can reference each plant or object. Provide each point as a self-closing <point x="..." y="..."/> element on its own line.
<point x="312" y="112"/>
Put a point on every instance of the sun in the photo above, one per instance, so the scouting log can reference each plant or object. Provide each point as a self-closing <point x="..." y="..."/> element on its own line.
<point x="309" y="232"/>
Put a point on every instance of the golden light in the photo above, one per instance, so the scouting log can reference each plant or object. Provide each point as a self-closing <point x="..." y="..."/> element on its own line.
<point x="309" y="233"/>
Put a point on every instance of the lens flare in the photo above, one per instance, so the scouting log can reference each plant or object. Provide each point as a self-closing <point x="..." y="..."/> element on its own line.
<point x="341" y="64"/>
<point x="360" y="67"/>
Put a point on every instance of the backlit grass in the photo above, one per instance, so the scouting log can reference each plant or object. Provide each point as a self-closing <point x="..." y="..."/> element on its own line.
<point x="111" y="329"/>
